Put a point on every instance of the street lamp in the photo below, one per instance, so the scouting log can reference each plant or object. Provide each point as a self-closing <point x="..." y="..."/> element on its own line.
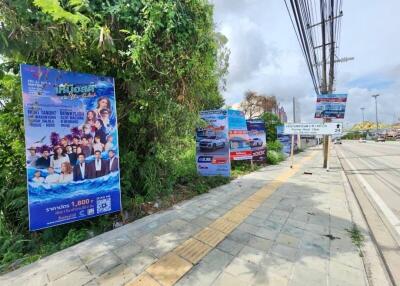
<point x="376" y="112"/>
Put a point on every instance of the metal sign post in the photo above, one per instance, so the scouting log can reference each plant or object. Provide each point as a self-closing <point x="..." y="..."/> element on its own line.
<point x="292" y="152"/>
<point x="327" y="129"/>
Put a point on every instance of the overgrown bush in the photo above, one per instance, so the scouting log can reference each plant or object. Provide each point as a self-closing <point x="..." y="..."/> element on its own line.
<point x="271" y="121"/>
<point x="274" y="146"/>
<point x="168" y="64"/>
<point x="274" y="157"/>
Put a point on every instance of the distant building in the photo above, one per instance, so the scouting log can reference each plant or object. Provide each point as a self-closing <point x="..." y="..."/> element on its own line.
<point x="282" y="114"/>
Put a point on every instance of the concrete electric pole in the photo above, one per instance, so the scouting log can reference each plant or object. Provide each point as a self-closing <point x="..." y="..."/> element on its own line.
<point x="376" y="112"/>
<point x="324" y="16"/>
<point x="362" y="111"/>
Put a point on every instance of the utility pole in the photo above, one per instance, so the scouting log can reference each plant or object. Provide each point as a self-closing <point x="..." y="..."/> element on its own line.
<point x="362" y="111"/>
<point x="376" y="112"/>
<point x="323" y="87"/>
<point x="303" y="20"/>
<point x="294" y="110"/>
<point x="294" y="121"/>
<point x="332" y="50"/>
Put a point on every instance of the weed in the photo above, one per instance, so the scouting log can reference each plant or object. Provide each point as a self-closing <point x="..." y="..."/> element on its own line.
<point x="356" y="237"/>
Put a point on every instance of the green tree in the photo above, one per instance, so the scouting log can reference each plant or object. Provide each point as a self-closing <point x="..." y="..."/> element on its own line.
<point x="167" y="61"/>
<point x="271" y="122"/>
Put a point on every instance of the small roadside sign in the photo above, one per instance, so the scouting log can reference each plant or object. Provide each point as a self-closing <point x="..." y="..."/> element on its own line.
<point x="313" y="128"/>
<point x="331" y="106"/>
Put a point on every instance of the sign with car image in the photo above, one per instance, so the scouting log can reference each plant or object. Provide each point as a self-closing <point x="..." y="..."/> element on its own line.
<point x="239" y="140"/>
<point x="258" y="141"/>
<point x="212" y="144"/>
<point x="285" y="140"/>
<point x="331" y="106"/>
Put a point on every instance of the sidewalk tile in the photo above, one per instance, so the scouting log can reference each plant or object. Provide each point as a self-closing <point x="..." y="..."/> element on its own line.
<point x="303" y="275"/>
<point x="288" y="240"/>
<point x="225" y="279"/>
<point x="140" y="261"/>
<point x="103" y="263"/>
<point x="284" y="251"/>
<point x="128" y="250"/>
<point x="117" y="276"/>
<point x="169" y="269"/>
<point x="77" y="277"/>
<point x="251" y="254"/>
<point x="230" y="246"/>
<point x="242" y="269"/>
<point x="260" y="243"/>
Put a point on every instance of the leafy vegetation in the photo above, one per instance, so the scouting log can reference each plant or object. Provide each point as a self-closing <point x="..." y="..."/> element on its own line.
<point x="271" y="122"/>
<point x="356" y="237"/>
<point x="274" y="146"/>
<point x="274" y="157"/>
<point x="168" y="63"/>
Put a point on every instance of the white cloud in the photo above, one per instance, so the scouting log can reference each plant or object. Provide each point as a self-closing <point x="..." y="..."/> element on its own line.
<point x="266" y="57"/>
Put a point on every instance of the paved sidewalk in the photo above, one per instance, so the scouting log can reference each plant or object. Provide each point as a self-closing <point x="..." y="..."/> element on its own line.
<point x="276" y="226"/>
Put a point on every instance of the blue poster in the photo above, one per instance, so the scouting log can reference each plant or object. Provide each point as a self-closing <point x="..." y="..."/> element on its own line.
<point x="331" y="106"/>
<point x="286" y="140"/>
<point x="71" y="136"/>
<point x="258" y="141"/>
<point x="239" y="140"/>
<point x="212" y="145"/>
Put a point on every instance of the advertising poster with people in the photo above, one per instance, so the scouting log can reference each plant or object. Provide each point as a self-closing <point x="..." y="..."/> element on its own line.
<point x="239" y="140"/>
<point x="258" y="140"/>
<point x="72" y="146"/>
<point x="212" y="144"/>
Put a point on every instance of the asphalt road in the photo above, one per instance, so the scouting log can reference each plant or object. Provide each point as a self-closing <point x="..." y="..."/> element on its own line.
<point x="379" y="165"/>
<point x="373" y="170"/>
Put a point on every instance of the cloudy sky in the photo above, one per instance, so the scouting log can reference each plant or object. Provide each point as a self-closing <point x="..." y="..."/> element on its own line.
<point x="266" y="57"/>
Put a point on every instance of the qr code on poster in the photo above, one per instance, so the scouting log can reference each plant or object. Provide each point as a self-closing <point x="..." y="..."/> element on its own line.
<point x="103" y="205"/>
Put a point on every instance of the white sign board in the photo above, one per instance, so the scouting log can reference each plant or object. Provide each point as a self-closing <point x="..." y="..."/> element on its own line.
<point x="312" y="128"/>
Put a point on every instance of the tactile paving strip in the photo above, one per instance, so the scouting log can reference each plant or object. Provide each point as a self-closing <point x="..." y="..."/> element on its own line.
<point x="192" y="250"/>
<point x="173" y="266"/>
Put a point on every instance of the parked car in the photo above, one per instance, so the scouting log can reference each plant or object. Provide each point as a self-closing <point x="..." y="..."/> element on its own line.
<point x="380" y="139"/>
<point x="256" y="142"/>
<point x="362" y="140"/>
<point x="337" y="141"/>
<point x="212" y="143"/>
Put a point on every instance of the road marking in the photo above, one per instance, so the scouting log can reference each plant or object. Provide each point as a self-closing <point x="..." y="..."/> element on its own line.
<point x="171" y="267"/>
<point x="390" y="216"/>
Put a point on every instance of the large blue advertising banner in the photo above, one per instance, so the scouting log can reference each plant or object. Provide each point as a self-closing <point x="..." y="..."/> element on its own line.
<point x="331" y="105"/>
<point x="239" y="140"/>
<point x="212" y="144"/>
<point x="258" y="140"/>
<point x="72" y="146"/>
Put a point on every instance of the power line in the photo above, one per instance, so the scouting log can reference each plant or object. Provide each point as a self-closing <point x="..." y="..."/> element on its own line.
<point x="317" y="25"/>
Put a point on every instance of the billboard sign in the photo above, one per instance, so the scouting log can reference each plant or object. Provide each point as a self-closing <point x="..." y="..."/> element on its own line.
<point x="72" y="151"/>
<point x="212" y="144"/>
<point x="331" y="106"/>
<point x="239" y="140"/>
<point x="312" y="128"/>
<point x="258" y="141"/>
<point x="284" y="139"/>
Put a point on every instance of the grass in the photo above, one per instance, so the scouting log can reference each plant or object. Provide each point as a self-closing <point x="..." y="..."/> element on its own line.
<point x="356" y="237"/>
<point x="16" y="250"/>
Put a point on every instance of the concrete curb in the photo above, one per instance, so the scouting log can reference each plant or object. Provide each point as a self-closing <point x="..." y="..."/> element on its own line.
<point x="374" y="267"/>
